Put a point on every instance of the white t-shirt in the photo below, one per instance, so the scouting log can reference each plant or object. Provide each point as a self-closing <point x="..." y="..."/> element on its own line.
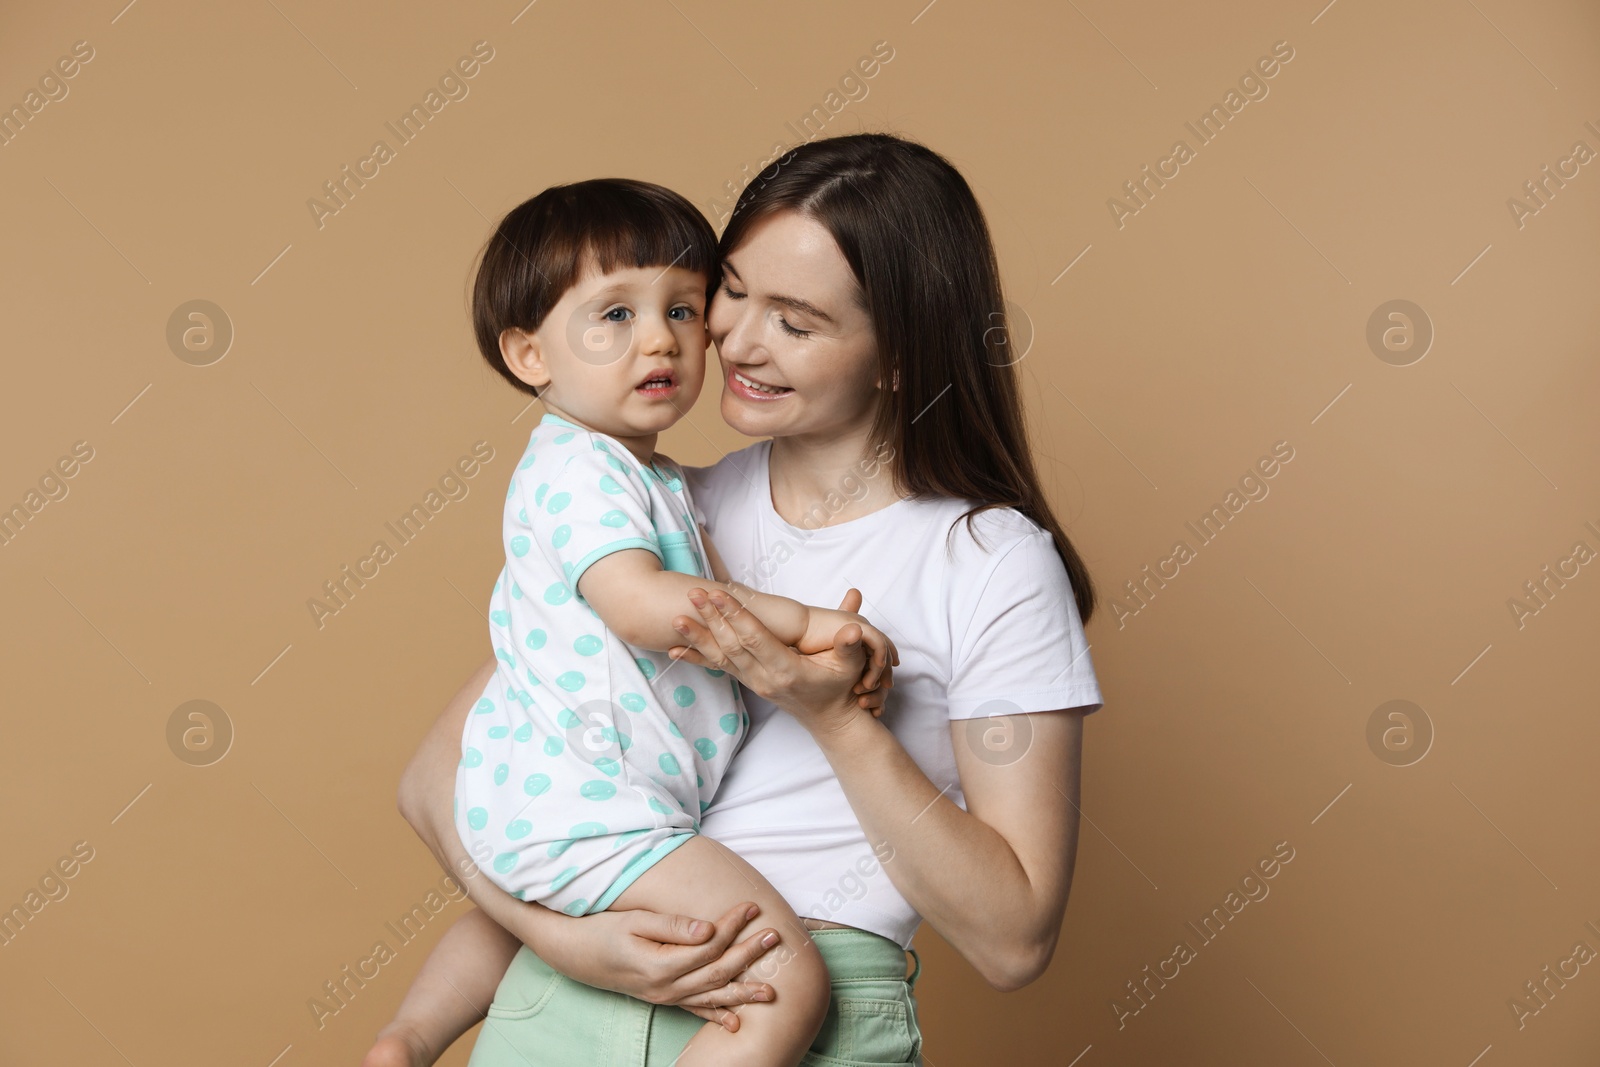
<point x="981" y="629"/>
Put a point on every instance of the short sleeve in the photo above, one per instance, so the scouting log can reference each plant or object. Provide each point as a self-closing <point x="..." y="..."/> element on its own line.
<point x="594" y="506"/>
<point x="1019" y="639"/>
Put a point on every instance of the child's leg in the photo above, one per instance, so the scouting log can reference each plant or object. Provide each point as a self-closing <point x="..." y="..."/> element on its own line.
<point x="703" y="877"/>
<point x="449" y="995"/>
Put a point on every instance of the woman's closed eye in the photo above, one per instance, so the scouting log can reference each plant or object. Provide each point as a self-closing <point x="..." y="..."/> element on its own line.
<point x="790" y="330"/>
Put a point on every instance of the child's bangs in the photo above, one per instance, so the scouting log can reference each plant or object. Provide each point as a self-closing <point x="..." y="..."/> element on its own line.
<point x="633" y="234"/>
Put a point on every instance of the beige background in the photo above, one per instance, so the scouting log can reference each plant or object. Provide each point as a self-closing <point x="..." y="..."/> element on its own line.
<point x="1229" y="314"/>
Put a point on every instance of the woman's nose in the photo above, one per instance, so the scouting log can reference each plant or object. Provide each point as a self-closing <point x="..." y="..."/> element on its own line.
<point x="735" y="342"/>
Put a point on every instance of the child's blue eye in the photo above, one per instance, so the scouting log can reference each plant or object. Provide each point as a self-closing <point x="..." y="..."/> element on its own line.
<point x="687" y="313"/>
<point x="611" y="316"/>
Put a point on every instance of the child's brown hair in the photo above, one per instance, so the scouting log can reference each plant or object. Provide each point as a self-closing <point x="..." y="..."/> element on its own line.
<point x="543" y="244"/>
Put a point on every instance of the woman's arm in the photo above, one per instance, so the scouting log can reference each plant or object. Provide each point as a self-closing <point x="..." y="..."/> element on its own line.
<point x="662" y="959"/>
<point x="993" y="879"/>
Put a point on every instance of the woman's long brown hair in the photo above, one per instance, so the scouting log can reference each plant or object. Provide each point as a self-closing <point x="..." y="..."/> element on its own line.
<point x="917" y="241"/>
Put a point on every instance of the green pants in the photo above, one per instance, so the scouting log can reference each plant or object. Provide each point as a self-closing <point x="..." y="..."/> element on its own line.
<point x="542" y="1017"/>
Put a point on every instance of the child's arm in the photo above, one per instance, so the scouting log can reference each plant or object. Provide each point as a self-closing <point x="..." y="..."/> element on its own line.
<point x="593" y="519"/>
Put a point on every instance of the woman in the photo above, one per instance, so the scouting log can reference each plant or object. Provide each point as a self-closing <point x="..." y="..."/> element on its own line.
<point x="860" y="327"/>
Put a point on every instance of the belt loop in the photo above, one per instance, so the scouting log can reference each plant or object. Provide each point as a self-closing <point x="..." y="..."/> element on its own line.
<point x="916" y="969"/>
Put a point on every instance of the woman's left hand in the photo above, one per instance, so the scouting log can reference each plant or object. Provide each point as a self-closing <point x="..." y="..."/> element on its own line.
<point x="817" y="689"/>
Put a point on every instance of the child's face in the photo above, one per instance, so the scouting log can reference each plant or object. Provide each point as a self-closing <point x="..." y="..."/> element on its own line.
<point x="611" y="333"/>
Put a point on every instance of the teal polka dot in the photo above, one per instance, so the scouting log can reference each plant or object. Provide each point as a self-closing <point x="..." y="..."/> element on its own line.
<point x="501" y="772"/>
<point x="632" y="701"/>
<point x="572" y="681"/>
<point x="563" y="878"/>
<point x="500" y="618"/>
<point x="669" y="763"/>
<point x="704" y="804"/>
<point x="510" y="489"/>
<point x="729" y="724"/>
<point x="577" y="907"/>
<point x="646" y="668"/>
<point x="477" y="818"/>
<point x="624" y="839"/>
<point x="522" y="516"/>
<point x="483" y="707"/>
<point x="558" y="503"/>
<point x="535" y="639"/>
<point x="608" y="766"/>
<point x="557" y="848"/>
<point x="588" y="645"/>
<point x="683" y="695"/>
<point x="609" y="484"/>
<point x="563" y="438"/>
<point x="517" y="829"/>
<point x="502" y="654"/>
<point x="536" y="784"/>
<point x="557" y="594"/>
<point x="713" y="672"/>
<point x="538" y="494"/>
<point x="524" y="697"/>
<point x="699" y="782"/>
<point x="524" y="732"/>
<point x="616" y="464"/>
<point x="497" y="732"/>
<point x="568" y="719"/>
<point x="657" y="806"/>
<point x="471" y="757"/>
<point x="567" y="569"/>
<point x="553" y="746"/>
<point x="706" y="747"/>
<point x="505" y="861"/>
<point x="614" y="519"/>
<point x="588" y="829"/>
<point x="520" y="546"/>
<point x="527" y="460"/>
<point x="672" y="728"/>
<point x="598" y="790"/>
<point x="516" y="591"/>
<point x="562" y="535"/>
<point x="624" y="742"/>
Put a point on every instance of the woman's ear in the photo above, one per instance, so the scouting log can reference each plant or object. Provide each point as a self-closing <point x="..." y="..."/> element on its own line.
<point x="520" y="350"/>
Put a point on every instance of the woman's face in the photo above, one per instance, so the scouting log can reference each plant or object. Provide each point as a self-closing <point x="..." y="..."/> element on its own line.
<point x="788" y="315"/>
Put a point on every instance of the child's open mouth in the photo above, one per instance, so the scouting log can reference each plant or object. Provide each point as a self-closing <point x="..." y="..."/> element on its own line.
<point x="659" y="384"/>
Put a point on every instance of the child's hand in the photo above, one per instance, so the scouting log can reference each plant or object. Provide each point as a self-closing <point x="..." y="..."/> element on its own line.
<point x="823" y="623"/>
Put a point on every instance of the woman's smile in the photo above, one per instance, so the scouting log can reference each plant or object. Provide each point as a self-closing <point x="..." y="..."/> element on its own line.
<point x="750" y="389"/>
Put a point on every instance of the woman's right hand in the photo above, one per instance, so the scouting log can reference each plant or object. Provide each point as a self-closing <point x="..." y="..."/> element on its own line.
<point x="670" y="959"/>
<point x="661" y="959"/>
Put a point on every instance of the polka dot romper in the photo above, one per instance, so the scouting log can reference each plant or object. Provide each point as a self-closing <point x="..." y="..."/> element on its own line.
<point x="587" y="759"/>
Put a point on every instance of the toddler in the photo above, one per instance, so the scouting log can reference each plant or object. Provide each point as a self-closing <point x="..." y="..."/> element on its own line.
<point x="591" y="754"/>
